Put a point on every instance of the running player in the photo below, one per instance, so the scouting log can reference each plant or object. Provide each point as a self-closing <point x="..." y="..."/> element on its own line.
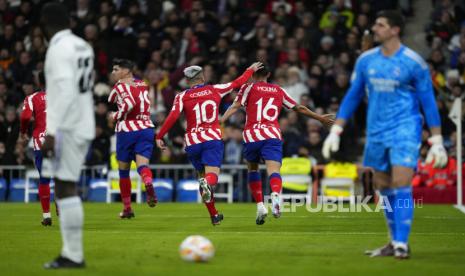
<point x="34" y="108"/>
<point x="204" y="145"/>
<point x="134" y="132"/>
<point x="263" y="102"/>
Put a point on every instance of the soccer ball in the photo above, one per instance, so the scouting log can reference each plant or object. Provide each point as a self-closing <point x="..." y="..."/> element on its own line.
<point x="196" y="249"/>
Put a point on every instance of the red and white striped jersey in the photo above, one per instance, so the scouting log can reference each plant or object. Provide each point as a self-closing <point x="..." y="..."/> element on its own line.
<point x="34" y="106"/>
<point x="200" y="105"/>
<point x="133" y="106"/>
<point x="263" y="102"/>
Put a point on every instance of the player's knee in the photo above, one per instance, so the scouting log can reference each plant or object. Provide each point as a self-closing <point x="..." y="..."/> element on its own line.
<point x="123" y="173"/>
<point x="252" y="166"/>
<point x="254" y="176"/>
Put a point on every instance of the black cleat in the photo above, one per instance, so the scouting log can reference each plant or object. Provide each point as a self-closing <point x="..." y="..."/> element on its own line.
<point x="126" y="214"/>
<point x="216" y="219"/>
<point x="152" y="200"/>
<point x="47" y="222"/>
<point x="401" y="253"/>
<point x="385" y="251"/>
<point x="62" y="262"/>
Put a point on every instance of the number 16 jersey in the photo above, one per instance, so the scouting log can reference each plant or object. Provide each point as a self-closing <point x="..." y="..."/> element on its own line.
<point x="263" y="102"/>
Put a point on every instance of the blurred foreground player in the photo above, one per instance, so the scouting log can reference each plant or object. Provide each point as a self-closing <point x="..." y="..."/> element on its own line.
<point x="34" y="108"/>
<point x="69" y="65"/>
<point x="263" y="102"/>
<point x="134" y="131"/>
<point x="204" y="145"/>
<point x="397" y="82"/>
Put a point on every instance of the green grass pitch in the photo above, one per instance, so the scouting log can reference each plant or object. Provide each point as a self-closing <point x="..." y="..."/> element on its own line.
<point x="299" y="243"/>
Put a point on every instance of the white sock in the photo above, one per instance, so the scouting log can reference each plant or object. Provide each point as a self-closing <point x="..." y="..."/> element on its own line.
<point x="46" y="215"/>
<point x="71" y="221"/>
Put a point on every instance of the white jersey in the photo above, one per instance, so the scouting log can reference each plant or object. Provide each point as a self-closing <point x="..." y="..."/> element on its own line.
<point x="69" y="65"/>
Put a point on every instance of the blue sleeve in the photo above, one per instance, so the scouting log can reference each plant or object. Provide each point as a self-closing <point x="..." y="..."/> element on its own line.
<point x="425" y="94"/>
<point x="355" y="93"/>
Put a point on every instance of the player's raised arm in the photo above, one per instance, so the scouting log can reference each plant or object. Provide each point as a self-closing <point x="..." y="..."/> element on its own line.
<point x="349" y="104"/>
<point x="170" y="120"/>
<point x="425" y="94"/>
<point x="226" y="88"/>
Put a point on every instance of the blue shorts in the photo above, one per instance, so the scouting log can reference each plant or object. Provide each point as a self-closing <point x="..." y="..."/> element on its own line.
<point x="38" y="157"/>
<point x="270" y="149"/>
<point x="381" y="157"/>
<point x="208" y="153"/>
<point x="140" y="142"/>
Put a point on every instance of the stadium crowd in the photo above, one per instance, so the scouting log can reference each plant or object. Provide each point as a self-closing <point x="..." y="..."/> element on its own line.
<point x="311" y="47"/>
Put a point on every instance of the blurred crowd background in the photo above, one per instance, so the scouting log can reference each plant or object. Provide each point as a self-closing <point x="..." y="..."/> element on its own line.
<point x="311" y="47"/>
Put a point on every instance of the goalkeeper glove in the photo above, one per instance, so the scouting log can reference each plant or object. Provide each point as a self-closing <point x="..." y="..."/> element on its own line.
<point x="437" y="153"/>
<point x="331" y="143"/>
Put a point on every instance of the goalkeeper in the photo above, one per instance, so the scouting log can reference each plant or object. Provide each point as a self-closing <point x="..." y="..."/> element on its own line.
<point x="397" y="83"/>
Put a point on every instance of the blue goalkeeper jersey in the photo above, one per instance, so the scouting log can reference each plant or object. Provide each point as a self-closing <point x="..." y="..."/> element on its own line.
<point x="396" y="87"/>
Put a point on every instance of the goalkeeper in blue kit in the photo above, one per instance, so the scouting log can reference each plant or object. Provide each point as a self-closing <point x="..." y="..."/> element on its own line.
<point x="397" y="82"/>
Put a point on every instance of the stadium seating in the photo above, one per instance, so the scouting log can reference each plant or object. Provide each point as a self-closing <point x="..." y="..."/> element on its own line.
<point x="339" y="181"/>
<point x="296" y="179"/>
<point x="187" y="190"/>
<point x="17" y="190"/>
<point x="98" y="190"/>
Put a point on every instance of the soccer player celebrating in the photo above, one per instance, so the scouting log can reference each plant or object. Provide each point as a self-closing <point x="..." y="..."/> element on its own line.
<point x="263" y="102"/>
<point x="204" y="146"/>
<point x="34" y="107"/>
<point x="134" y="131"/>
<point x="397" y="82"/>
<point x="70" y="125"/>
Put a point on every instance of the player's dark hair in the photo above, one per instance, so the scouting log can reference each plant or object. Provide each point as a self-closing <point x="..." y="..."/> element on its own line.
<point x="262" y="72"/>
<point x="124" y="63"/>
<point x="55" y="16"/>
<point x="394" y="19"/>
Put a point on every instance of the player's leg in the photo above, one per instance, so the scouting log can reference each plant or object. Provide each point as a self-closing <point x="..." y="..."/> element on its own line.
<point x="272" y="153"/>
<point x="211" y="157"/>
<point x="255" y="186"/>
<point x="44" y="190"/>
<point x="125" y="189"/>
<point x="69" y="159"/>
<point x="125" y="155"/>
<point x="382" y="183"/>
<point x="402" y="208"/>
<point x="377" y="157"/>
<point x="143" y="149"/>
<point x="252" y="155"/>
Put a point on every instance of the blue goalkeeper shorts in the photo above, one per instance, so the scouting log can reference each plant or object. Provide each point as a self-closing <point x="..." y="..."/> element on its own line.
<point x="269" y="149"/>
<point x="382" y="157"/>
<point x="139" y="142"/>
<point x="208" y="153"/>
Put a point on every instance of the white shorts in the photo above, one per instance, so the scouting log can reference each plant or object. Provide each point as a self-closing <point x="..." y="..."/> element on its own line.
<point x="70" y="154"/>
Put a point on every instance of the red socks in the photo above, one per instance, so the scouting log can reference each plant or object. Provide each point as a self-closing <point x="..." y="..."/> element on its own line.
<point x="147" y="177"/>
<point x="44" y="195"/>
<point x="212" y="180"/>
<point x="276" y="183"/>
<point x="125" y="189"/>
<point x="255" y="185"/>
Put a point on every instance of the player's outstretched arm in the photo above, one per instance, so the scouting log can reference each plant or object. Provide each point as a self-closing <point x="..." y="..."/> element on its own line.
<point x="231" y="110"/>
<point x="327" y="119"/>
